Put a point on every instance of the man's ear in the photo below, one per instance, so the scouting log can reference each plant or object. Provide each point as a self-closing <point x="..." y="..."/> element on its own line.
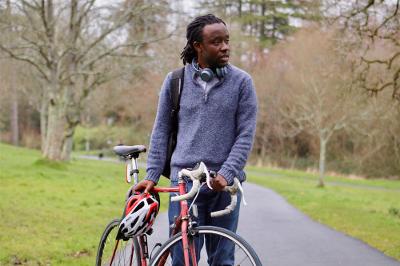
<point x="197" y="47"/>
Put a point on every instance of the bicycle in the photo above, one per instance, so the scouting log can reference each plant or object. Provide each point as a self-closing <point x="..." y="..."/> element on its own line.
<point x="187" y="238"/>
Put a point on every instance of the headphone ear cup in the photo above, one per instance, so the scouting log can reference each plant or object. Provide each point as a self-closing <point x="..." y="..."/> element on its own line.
<point x="225" y="71"/>
<point x="206" y="74"/>
<point x="218" y="71"/>
<point x="221" y="72"/>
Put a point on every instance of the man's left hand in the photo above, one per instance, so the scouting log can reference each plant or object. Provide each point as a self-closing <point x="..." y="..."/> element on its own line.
<point x="218" y="183"/>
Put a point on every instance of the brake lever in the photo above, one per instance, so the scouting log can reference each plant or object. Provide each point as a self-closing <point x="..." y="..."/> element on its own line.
<point x="208" y="181"/>
<point x="241" y="192"/>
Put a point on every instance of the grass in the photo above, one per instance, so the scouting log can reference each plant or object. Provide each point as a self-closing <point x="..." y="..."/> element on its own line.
<point x="365" y="209"/>
<point x="54" y="213"/>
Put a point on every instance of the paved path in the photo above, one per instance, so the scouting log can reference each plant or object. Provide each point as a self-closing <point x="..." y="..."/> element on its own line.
<point x="283" y="236"/>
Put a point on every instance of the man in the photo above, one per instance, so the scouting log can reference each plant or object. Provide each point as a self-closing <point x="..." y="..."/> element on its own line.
<point x="217" y="121"/>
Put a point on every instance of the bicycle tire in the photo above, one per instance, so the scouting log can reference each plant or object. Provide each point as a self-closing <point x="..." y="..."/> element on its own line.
<point x="203" y="231"/>
<point x="107" y="245"/>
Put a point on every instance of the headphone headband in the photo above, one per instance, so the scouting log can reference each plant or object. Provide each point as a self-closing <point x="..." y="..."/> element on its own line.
<point x="208" y="74"/>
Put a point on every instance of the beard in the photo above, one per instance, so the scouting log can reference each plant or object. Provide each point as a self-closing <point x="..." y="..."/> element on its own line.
<point x="213" y="62"/>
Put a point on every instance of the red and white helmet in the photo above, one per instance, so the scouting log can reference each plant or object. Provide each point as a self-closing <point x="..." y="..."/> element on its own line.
<point x="140" y="213"/>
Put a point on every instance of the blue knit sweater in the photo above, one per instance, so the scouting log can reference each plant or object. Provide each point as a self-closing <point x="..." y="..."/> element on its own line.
<point x="217" y="128"/>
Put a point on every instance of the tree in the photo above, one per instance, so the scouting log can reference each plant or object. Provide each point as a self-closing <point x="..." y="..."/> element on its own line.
<point x="268" y="21"/>
<point x="375" y="139"/>
<point x="318" y="97"/>
<point x="369" y="25"/>
<point x="70" y="44"/>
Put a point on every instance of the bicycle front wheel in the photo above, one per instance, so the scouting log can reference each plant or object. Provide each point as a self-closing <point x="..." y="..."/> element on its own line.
<point x="224" y="248"/>
<point x="117" y="252"/>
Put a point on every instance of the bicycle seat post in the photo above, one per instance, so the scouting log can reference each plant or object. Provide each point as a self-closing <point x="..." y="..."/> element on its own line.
<point x="135" y="169"/>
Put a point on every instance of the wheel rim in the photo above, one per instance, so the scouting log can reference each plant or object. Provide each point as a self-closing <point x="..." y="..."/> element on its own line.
<point x="117" y="252"/>
<point x="237" y="252"/>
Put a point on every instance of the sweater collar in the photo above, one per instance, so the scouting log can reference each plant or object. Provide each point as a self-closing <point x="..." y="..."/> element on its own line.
<point x="193" y="73"/>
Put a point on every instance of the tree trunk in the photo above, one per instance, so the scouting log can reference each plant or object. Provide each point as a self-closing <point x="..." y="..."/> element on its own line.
<point x="67" y="148"/>
<point x="87" y="144"/>
<point x="263" y="36"/>
<point x="14" y="94"/>
<point x="322" y="155"/>
<point x="55" y="137"/>
<point x="14" y="117"/>
<point x="43" y="122"/>
<point x="261" y="156"/>
<point x="59" y="126"/>
<point x="68" y="142"/>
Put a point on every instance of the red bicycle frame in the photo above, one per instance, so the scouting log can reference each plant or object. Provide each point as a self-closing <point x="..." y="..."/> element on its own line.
<point x="181" y="224"/>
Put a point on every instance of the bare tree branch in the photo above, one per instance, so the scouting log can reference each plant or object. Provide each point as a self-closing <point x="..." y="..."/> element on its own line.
<point x="118" y="24"/>
<point x="25" y="59"/>
<point x="66" y="42"/>
<point x="376" y="24"/>
<point x="118" y="47"/>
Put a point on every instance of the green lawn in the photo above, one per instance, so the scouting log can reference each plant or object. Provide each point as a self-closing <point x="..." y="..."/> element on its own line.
<point x="52" y="213"/>
<point x="366" y="209"/>
<point x="55" y="213"/>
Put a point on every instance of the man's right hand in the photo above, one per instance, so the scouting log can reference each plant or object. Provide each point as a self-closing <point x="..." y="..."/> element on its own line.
<point x="144" y="186"/>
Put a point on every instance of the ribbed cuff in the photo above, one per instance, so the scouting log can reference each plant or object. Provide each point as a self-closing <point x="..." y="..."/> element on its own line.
<point x="152" y="176"/>
<point x="227" y="174"/>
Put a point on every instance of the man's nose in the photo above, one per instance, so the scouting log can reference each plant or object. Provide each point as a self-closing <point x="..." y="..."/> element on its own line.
<point x="225" y="46"/>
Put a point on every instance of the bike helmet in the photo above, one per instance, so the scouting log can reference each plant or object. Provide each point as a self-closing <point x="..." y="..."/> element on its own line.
<point x="139" y="215"/>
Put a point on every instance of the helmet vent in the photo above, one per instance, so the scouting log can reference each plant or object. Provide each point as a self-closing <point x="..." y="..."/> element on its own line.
<point x="141" y="205"/>
<point x="134" y="221"/>
<point x="131" y="203"/>
<point x="143" y="225"/>
<point x="150" y="201"/>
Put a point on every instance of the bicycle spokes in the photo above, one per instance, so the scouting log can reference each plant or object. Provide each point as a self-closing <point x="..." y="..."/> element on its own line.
<point x="211" y="246"/>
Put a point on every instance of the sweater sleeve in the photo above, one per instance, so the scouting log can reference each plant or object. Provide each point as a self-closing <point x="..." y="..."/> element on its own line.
<point x="246" y="118"/>
<point x="160" y="133"/>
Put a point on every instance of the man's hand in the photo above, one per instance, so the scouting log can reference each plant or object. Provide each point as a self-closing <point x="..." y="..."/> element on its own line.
<point x="218" y="183"/>
<point x="144" y="186"/>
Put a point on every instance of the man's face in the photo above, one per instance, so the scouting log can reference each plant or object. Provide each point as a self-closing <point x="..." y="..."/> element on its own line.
<point x="213" y="51"/>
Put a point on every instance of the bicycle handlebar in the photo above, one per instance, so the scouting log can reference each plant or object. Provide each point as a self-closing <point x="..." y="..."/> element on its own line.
<point x="233" y="191"/>
<point x="196" y="175"/>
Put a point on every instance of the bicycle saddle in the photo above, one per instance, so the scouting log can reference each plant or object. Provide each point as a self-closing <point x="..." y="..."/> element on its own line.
<point x="126" y="151"/>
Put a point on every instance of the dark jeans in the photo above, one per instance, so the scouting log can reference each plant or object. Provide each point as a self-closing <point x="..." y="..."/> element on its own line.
<point x="219" y="252"/>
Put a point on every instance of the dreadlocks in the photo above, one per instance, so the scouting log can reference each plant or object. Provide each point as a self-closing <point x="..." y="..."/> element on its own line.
<point x="194" y="34"/>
